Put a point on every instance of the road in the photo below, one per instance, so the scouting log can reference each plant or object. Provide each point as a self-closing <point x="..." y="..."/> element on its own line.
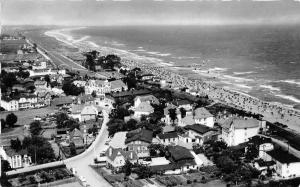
<point x="81" y="162"/>
<point x="58" y="59"/>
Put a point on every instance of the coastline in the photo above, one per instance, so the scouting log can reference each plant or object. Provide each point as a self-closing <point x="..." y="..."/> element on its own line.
<point x="272" y="111"/>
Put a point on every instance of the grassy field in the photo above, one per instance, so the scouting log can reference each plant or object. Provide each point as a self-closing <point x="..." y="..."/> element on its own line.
<point x="26" y="116"/>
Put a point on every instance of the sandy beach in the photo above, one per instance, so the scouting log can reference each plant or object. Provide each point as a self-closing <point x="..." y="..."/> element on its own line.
<point x="273" y="112"/>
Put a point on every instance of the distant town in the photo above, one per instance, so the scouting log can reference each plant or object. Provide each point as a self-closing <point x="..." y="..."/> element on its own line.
<point x="95" y="119"/>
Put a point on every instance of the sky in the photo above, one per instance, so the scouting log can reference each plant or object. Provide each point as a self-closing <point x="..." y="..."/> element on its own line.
<point x="149" y="12"/>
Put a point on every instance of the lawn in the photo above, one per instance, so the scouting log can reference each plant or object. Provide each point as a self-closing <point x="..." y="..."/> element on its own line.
<point x="25" y="117"/>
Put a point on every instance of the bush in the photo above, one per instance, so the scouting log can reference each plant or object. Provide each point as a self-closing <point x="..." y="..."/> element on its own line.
<point x="189" y="182"/>
<point x="195" y="180"/>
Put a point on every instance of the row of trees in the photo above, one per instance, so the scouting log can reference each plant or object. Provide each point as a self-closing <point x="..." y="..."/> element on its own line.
<point x="106" y="62"/>
<point x="38" y="148"/>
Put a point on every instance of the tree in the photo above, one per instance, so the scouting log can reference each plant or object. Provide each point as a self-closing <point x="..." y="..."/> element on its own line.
<point x="119" y="113"/>
<point x="9" y="79"/>
<point x="71" y="124"/>
<point x="35" y="128"/>
<point x="16" y="144"/>
<point x="5" y="166"/>
<point x="72" y="149"/>
<point x="3" y="124"/>
<point x="60" y="119"/>
<point x="11" y="119"/>
<point x="173" y="114"/>
<point x="226" y="164"/>
<point x="127" y="168"/>
<point x="47" y="79"/>
<point x="39" y="149"/>
<point x="157" y="150"/>
<point x="70" y="89"/>
<point x="115" y="125"/>
<point x="130" y="125"/>
<point x="143" y="171"/>
<point x="183" y="112"/>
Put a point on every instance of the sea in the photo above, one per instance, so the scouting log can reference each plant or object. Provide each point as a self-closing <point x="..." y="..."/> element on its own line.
<point x="259" y="60"/>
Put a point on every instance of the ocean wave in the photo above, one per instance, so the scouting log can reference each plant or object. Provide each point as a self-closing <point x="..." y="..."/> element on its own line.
<point x="138" y="50"/>
<point x="291" y="81"/>
<point x="187" y="57"/>
<point x="289" y="97"/>
<point x="217" y="69"/>
<point x="237" y="79"/>
<point x="158" y="53"/>
<point x="270" y="87"/>
<point x="81" y="39"/>
<point x="243" y="73"/>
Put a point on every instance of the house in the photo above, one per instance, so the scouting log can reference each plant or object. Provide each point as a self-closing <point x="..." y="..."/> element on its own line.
<point x="62" y="101"/>
<point x="47" y="71"/>
<point x="138" y="141"/>
<point x="59" y="78"/>
<point x="147" y="76"/>
<point x="143" y="109"/>
<point x="118" y="86"/>
<point x="16" y="159"/>
<point x="286" y="164"/>
<point x="99" y="87"/>
<point x="76" y="136"/>
<point x="116" y="158"/>
<point x="85" y="112"/>
<point x="167" y="118"/>
<point x="150" y="99"/>
<point x="27" y="101"/>
<point x="204" y="117"/>
<point x="200" y="133"/>
<point x="21" y="88"/>
<point x="181" y="161"/>
<point x="170" y="138"/>
<point x="118" y="141"/>
<point x="44" y="97"/>
<point x="187" y="105"/>
<point x="187" y="120"/>
<point x="85" y="99"/>
<point x="238" y="130"/>
<point x="39" y="65"/>
<point x="40" y="84"/>
<point x="79" y="83"/>
<point x="9" y="104"/>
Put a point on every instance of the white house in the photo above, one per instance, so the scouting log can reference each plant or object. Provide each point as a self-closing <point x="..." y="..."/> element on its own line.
<point x="118" y="86"/>
<point x="116" y="158"/>
<point x="98" y="86"/>
<point x="43" y="72"/>
<point x="287" y="165"/>
<point x="79" y="83"/>
<point x="85" y="112"/>
<point x="9" y="104"/>
<point x="40" y="84"/>
<point x="143" y="109"/>
<point x="204" y="117"/>
<point x="150" y="99"/>
<point x="170" y="138"/>
<point x="238" y="130"/>
<point x="28" y="101"/>
<point x="16" y="159"/>
<point x="39" y="65"/>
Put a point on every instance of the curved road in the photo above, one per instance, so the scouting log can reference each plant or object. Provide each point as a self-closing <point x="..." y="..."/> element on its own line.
<point x="81" y="162"/>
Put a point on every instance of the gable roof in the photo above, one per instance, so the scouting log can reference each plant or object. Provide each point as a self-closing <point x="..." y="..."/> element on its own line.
<point x="179" y="153"/>
<point x="139" y="134"/>
<point x="144" y="107"/>
<point x="62" y="100"/>
<point x="181" y="102"/>
<point x="76" y="133"/>
<point x="188" y="120"/>
<point x="168" y="135"/>
<point x="146" y="98"/>
<point x="200" y="129"/>
<point x="282" y="156"/>
<point x="117" y="84"/>
<point x="112" y="153"/>
<point x="240" y="123"/>
<point x="201" y="113"/>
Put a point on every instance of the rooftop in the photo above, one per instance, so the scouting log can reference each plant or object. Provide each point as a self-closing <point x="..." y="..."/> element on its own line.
<point x="144" y="107"/>
<point x="201" y="113"/>
<point x="180" y="153"/>
<point x="240" y="123"/>
<point x="168" y="135"/>
<point x="283" y="156"/>
<point x="200" y="129"/>
<point x="140" y="135"/>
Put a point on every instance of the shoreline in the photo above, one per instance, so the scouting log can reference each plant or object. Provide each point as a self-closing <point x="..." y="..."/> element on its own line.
<point x="272" y="111"/>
